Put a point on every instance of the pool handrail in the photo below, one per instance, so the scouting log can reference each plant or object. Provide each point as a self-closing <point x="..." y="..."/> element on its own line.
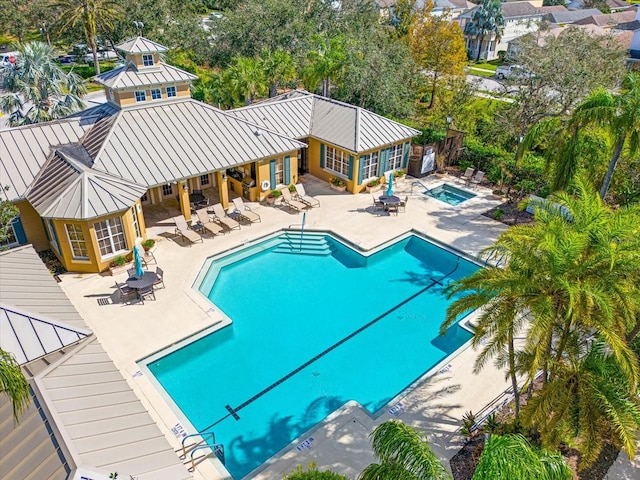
<point x="202" y="435"/>
<point x="418" y="182"/>
<point x="217" y="449"/>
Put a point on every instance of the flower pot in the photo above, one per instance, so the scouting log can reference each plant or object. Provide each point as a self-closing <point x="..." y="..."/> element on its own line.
<point x="373" y="189"/>
<point x="338" y="188"/>
<point x="117" y="270"/>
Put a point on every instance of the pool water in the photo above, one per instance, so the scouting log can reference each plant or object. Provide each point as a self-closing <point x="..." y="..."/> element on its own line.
<point x="315" y="325"/>
<point x="449" y="194"/>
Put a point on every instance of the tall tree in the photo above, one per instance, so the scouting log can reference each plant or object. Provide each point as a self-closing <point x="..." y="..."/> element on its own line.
<point x="14" y="384"/>
<point x="324" y="63"/>
<point x="39" y="85"/>
<point x="246" y="78"/>
<point x="512" y="456"/>
<point x="620" y="114"/>
<point x="404" y="454"/>
<point x="278" y="67"/>
<point x="93" y="16"/>
<point x="486" y="22"/>
<point x="438" y="47"/>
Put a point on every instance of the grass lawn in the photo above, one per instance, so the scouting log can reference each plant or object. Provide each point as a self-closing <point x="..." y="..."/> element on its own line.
<point x="481" y="72"/>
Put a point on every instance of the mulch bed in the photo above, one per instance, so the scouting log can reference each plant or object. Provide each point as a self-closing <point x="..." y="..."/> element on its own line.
<point x="509" y="214"/>
<point x="51" y="261"/>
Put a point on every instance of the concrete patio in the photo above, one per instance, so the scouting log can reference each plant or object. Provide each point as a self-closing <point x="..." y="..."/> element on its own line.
<point x="436" y="404"/>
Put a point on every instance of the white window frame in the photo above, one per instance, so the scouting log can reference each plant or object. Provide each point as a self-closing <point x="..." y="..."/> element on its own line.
<point x="167" y="189"/>
<point x="370" y="165"/>
<point x="12" y="238"/>
<point x="110" y="241"/>
<point x="171" y="91"/>
<point x="279" y="171"/>
<point x="147" y="60"/>
<point x="53" y="236"/>
<point x="156" y="94"/>
<point x="141" y="95"/>
<point x="396" y="157"/>
<point x="337" y="161"/>
<point x="78" y="244"/>
<point x="205" y="179"/>
<point x="136" y="221"/>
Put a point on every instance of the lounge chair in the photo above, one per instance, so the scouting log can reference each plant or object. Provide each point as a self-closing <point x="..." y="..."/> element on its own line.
<point x="290" y="202"/>
<point x="223" y="218"/>
<point x="466" y="177"/>
<point x="244" y="211"/>
<point x="211" y="227"/>
<point x="304" y="198"/>
<point x="477" y="178"/>
<point x="183" y="229"/>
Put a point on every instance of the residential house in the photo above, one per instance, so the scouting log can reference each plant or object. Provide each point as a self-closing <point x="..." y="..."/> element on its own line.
<point x="84" y="420"/>
<point x="520" y="19"/>
<point x="451" y="7"/>
<point x="82" y="183"/>
<point x="633" y="29"/>
<point x="608" y="20"/>
<point x="568" y="17"/>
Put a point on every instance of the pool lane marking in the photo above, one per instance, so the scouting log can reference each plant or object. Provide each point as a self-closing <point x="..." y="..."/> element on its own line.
<point x="233" y="411"/>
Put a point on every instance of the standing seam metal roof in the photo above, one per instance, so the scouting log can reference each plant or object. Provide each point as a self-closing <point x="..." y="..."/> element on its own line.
<point x="129" y="76"/>
<point x="140" y="45"/>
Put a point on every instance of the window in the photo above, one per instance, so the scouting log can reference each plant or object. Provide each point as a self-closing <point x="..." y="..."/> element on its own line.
<point x="145" y="197"/>
<point x="167" y="189"/>
<point x="141" y="96"/>
<point x="171" y="91"/>
<point x="136" y="222"/>
<point x="204" y="179"/>
<point x="156" y="94"/>
<point x="11" y="239"/>
<point x="53" y="236"/>
<point x="279" y="171"/>
<point x="76" y="240"/>
<point x="110" y="236"/>
<point x="395" y="157"/>
<point x="370" y="165"/>
<point x="147" y="60"/>
<point x="337" y="160"/>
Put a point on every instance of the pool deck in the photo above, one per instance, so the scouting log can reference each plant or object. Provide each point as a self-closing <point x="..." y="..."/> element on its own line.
<point x="435" y="404"/>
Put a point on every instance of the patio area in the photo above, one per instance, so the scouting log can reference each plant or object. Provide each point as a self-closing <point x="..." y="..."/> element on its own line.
<point x="132" y="332"/>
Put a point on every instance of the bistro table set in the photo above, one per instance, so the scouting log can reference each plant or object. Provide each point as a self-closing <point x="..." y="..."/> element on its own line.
<point x="140" y="283"/>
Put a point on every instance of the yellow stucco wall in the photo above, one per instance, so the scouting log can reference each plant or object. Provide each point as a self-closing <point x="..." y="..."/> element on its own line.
<point x="32" y="225"/>
<point x="263" y="172"/>
<point x="137" y="59"/>
<point x="128" y="97"/>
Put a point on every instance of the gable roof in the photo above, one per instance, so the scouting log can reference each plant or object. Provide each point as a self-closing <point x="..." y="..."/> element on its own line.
<point x="300" y="114"/>
<point x="129" y="76"/>
<point x="570" y="16"/>
<point x="609" y="19"/>
<point x="68" y="188"/>
<point x="141" y="45"/>
<point x="31" y="336"/>
<point x="24" y="150"/>
<point x="519" y="9"/>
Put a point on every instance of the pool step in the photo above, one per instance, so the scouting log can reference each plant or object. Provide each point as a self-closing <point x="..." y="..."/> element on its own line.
<point x="307" y="244"/>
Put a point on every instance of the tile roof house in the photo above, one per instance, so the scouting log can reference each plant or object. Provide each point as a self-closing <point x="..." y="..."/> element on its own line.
<point x="521" y="18"/>
<point x="566" y="16"/>
<point x="84" y="421"/>
<point x="81" y="183"/>
<point x="608" y="20"/>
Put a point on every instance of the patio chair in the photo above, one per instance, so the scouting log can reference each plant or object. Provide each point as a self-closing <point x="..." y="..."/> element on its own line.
<point x="304" y="198"/>
<point x="477" y="178"/>
<point x="244" y="211"/>
<point x="290" y="202"/>
<point x="131" y="272"/>
<point x="222" y="217"/>
<point x="145" y="256"/>
<point x="183" y="229"/>
<point x="377" y="204"/>
<point x="160" y="274"/>
<point x="126" y="293"/>
<point x="466" y="177"/>
<point x="146" y="292"/>
<point x="212" y="227"/>
<point x="402" y="206"/>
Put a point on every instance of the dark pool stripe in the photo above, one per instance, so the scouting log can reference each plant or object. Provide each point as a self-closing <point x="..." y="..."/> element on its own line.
<point x="331" y="348"/>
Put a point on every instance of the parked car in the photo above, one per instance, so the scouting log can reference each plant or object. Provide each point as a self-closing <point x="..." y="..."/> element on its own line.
<point x="65" y="59"/>
<point x="506" y="71"/>
<point x="8" y="59"/>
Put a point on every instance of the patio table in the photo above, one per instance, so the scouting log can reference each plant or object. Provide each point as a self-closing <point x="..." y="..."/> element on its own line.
<point x="145" y="281"/>
<point x="390" y="201"/>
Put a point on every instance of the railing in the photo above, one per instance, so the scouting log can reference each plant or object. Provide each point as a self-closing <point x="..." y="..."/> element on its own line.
<point x="216" y="448"/>
<point x="418" y="182"/>
<point x="203" y="435"/>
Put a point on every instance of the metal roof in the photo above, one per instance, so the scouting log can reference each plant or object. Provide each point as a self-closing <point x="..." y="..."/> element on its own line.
<point x="25" y="283"/>
<point x="30" y="336"/>
<point x="24" y="150"/>
<point x="301" y="114"/>
<point x="141" y="45"/>
<point x="161" y="143"/>
<point x="68" y="188"/>
<point x="98" y="413"/>
<point x="129" y="76"/>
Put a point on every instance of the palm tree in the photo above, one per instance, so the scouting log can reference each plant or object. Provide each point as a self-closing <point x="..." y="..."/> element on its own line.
<point x="590" y="398"/>
<point x="620" y="114"/>
<point x="14" y="384"/>
<point x="404" y="454"/>
<point x="512" y="456"/>
<point x="278" y="66"/>
<point x="487" y="21"/>
<point x="92" y="15"/>
<point x="246" y="78"/>
<point x="38" y="84"/>
<point x="324" y="63"/>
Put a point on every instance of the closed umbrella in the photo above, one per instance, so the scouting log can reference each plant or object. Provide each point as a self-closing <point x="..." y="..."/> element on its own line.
<point x="137" y="261"/>
<point x="390" y="188"/>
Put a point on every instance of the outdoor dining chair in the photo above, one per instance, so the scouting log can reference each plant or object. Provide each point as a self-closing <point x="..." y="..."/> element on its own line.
<point x="160" y="280"/>
<point x="126" y="292"/>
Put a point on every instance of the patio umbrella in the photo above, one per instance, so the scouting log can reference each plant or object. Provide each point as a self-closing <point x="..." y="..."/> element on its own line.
<point x="137" y="261"/>
<point x="390" y="188"/>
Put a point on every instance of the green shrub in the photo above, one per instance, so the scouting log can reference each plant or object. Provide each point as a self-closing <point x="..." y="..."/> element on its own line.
<point x="312" y="473"/>
<point x="86" y="71"/>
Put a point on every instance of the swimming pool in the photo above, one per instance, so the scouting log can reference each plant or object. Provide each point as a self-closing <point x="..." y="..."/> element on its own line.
<point x="315" y="325"/>
<point x="449" y="194"/>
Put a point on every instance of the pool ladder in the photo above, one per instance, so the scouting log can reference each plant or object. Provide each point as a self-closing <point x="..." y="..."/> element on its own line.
<point x="215" y="448"/>
<point x="418" y="182"/>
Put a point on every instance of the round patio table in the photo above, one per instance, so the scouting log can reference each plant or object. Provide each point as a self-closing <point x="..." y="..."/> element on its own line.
<point x="196" y="197"/>
<point x="390" y="201"/>
<point x="145" y="281"/>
